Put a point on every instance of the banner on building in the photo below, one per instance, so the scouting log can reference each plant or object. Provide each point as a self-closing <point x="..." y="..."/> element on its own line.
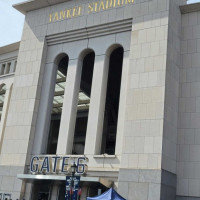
<point x="72" y="187"/>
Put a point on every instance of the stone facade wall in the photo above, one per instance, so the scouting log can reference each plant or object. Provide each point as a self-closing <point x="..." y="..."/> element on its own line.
<point x="8" y="171"/>
<point x="22" y="112"/>
<point x="188" y="151"/>
<point x="172" y="88"/>
<point x="150" y="132"/>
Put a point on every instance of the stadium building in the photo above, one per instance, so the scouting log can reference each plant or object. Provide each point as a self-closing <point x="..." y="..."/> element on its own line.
<point x="114" y="84"/>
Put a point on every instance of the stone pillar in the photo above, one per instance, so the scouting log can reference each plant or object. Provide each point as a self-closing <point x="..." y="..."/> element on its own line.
<point x="54" y="193"/>
<point x="7" y="69"/>
<point x="97" y="105"/>
<point x="45" y="107"/>
<point x="68" y="119"/>
<point x="84" y="193"/>
<point x="2" y="69"/>
<point x="12" y="67"/>
<point x="28" y="191"/>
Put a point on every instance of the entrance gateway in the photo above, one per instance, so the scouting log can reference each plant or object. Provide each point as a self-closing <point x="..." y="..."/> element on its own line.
<point x="46" y="170"/>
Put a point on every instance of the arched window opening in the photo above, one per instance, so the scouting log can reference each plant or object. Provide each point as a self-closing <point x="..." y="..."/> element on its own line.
<point x="2" y="98"/>
<point x="112" y="102"/>
<point x="57" y="105"/>
<point x="83" y="104"/>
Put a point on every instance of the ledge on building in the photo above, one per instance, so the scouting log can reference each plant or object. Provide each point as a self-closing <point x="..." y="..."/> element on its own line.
<point x="32" y="178"/>
<point x="9" y="48"/>
<point x="104" y="156"/>
<point x="31" y="5"/>
<point x="188" y="8"/>
<point x="7" y="75"/>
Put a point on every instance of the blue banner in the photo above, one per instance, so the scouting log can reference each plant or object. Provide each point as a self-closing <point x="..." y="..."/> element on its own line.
<point x="72" y="187"/>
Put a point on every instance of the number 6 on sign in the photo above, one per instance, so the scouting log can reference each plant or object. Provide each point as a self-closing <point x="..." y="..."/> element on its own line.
<point x="81" y="166"/>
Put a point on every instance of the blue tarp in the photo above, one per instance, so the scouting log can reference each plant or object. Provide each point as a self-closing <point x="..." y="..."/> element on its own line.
<point x="111" y="194"/>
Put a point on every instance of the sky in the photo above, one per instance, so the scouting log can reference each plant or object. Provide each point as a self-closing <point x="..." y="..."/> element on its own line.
<point x="11" y="22"/>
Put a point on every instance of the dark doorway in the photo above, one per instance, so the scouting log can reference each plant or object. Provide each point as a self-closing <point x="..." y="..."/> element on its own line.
<point x="57" y="105"/>
<point x="112" y="102"/>
<point x="83" y="104"/>
<point x="41" y="190"/>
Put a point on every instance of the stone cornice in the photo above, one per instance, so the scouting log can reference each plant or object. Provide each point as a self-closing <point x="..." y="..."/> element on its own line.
<point x="9" y="48"/>
<point x="90" y="32"/>
<point x="31" y="5"/>
<point x="190" y="8"/>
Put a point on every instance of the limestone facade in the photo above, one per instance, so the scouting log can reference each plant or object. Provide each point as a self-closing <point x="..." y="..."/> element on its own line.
<point x="157" y="147"/>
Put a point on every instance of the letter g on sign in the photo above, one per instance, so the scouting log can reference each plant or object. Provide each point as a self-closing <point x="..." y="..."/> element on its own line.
<point x="34" y="167"/>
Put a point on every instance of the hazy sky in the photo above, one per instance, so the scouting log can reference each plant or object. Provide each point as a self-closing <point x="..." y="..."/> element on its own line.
<point x="12" y="21"/>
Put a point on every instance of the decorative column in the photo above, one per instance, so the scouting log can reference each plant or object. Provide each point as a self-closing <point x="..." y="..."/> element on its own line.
<point x="2" y="69"/>
<point x="68" y="118"/>
<point x="97" y="105"/>
<point x="12" y="67"/>
<point x="45" y="107"/>
<point x="55" y="193"/>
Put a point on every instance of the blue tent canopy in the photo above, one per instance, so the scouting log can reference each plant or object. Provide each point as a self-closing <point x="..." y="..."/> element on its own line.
<point x="111" y="194"/>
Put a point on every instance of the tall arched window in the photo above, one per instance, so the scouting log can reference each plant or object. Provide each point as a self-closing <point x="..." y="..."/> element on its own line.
<point x="2" y="97"/>
<point x="83" y="104"/>
<point x="112" y="101"/>
<point x="57" y="103"/>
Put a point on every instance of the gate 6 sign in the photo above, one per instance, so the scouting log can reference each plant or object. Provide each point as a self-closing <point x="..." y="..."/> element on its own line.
<point x="57" y="164"/>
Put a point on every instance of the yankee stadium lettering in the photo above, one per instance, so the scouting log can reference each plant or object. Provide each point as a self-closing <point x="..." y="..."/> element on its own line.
<point x="93" y="7"/>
